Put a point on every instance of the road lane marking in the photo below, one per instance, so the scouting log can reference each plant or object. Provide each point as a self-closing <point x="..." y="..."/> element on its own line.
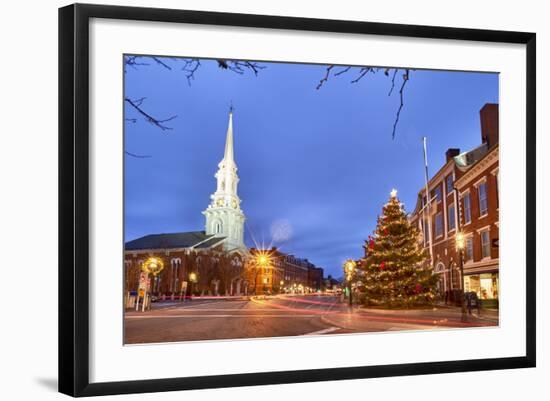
<point x="324" y="331"/>
<point x="216" y="316"/>
<point x="187" y="310"/>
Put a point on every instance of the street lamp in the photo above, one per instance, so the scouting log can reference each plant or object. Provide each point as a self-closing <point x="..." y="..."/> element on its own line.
<point x="281" y="283"/>
<point x="261" y="260"/>
<point x="193" y="280"/>
<point x="349" y="267"/>
<point x="154" y="266"/>
<point x="460" y="245"/>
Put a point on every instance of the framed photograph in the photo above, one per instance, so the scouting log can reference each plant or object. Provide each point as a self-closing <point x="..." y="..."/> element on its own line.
<point x="251" y="199"/>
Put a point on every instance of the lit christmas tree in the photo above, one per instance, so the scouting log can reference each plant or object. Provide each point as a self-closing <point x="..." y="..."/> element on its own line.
<point x="394" y="274"/>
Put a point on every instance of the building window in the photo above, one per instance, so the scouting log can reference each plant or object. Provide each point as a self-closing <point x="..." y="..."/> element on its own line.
<point x="485" y="244"/>
<point x="449" y="183"/>
<point x="439" y="224"/>
<point x="451" y="216"/>
<point x="482" y="193"/>
<point x="467" y="209"/>
<point x="437" y="193"/>
<point x="469" y="249"/>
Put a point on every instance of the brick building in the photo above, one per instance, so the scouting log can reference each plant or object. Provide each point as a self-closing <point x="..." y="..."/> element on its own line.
<point x="284" y="273"/>
<point x="194" y="258"/>
<point x="450" y="204"/>
<point x="478" y="188"/>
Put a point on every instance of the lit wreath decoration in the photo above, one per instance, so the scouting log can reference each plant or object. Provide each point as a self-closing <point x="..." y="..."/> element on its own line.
<point x="153" y="265"/>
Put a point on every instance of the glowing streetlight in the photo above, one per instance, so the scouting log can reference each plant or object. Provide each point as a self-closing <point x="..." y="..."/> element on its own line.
<point x="154" y="266"/>
<point x="193" y="280"/>
<point x="460" y="241"/>
<point x="460" y="245"/>
<point x="349" y="267"/>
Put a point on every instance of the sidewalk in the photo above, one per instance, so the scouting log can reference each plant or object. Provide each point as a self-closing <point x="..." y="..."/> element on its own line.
<point x="362" y="319"/>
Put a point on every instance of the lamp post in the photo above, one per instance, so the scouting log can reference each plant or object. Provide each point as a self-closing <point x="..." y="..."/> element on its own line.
<point x="349" y="267"/>
<point x="193" y="280"/>
<point x="281" y="289"/>
<point x="460" y="244"/>
<point x="154" y="266"/>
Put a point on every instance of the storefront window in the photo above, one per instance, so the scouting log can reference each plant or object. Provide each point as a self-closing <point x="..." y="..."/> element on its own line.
<point x="484" y="285"/>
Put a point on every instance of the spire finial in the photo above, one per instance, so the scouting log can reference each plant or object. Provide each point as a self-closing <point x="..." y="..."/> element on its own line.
<point x="231" y="108"/>
<point x="228" y="154"/>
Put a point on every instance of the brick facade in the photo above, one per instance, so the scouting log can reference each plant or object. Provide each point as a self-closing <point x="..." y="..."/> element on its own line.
<point x="463" y="197"/>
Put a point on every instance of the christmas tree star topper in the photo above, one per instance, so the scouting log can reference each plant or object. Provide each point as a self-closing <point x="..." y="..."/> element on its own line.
<point x="393" y="193"/>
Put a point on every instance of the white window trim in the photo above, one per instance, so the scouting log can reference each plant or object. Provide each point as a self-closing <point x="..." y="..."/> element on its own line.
<point x="469" y="221"/>
<point x="483" y="181"/>
<point x="482" y="230"/>
<point x="453" y="217"/>
<point x="480" y="181"/>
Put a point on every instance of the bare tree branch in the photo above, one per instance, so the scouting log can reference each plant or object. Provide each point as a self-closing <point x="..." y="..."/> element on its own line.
<point x="137" y="156"/>
<point x="392" y="81"/>
<point x="343" y="71"/>
<point x="405" y="80"/>
<point x="363" y="71"/>
<point x="159" y="61"/>
<point x="239" y="66"/>
<point x="132" y="62"/>
<point x="190" y="66"/>
<point x="325" y="78"/>
<point x="159" y="123"/>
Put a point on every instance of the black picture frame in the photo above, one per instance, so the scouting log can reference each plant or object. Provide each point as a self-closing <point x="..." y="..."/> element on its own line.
<point x="74" y="198"/>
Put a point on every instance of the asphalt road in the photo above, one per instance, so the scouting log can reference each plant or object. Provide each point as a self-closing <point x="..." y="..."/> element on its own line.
<point x="216" y="319"/>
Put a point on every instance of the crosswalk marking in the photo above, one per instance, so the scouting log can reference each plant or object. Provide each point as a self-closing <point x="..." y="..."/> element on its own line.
<point x="324" y="331"/>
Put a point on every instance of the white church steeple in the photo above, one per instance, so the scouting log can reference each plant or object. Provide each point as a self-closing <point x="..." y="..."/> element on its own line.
<point x="224" y="217"/>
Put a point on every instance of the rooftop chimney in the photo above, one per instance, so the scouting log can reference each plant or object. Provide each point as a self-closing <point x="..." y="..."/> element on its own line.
<point x="489" y="124"/>
<point x="450" y="153"/>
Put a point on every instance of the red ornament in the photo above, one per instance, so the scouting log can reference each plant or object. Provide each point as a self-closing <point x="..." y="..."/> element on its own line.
<point x="386" y="231"/>
<point x="371" y="244"/>
<point x="382" y="265"/>
<point x="418" y="289"/>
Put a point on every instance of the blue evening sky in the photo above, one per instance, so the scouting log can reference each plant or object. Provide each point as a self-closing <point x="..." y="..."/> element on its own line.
<point x="315" y="166"/>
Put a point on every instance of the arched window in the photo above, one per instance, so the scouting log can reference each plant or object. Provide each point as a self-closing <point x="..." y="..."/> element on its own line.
<point x="218" y="228"/>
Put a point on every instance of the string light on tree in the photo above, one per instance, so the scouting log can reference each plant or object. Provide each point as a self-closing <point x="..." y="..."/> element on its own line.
<point x="394" y="271"/>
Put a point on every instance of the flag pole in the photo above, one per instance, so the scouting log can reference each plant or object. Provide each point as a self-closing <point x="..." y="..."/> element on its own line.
<point x="427" y="206"/>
